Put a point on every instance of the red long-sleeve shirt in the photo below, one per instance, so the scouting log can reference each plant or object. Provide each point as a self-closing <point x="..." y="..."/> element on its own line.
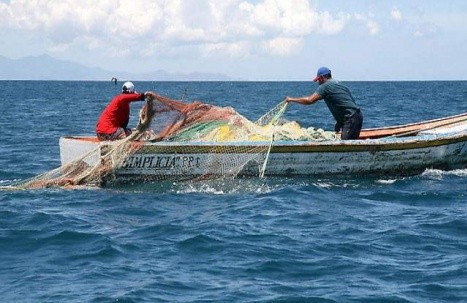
<point x="117" y="113"/>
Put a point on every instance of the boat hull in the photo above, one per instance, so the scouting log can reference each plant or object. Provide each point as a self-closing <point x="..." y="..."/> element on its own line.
<point x="396" y="156"/>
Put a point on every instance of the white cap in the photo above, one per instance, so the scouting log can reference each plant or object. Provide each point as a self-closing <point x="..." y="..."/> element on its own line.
<point x="128" y="87"/>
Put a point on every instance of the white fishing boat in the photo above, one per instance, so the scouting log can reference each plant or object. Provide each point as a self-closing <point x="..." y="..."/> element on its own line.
<point x="397" y="150"/>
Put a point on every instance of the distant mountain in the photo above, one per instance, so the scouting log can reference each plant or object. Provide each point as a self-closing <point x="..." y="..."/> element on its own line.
<point x="45" y="67"/>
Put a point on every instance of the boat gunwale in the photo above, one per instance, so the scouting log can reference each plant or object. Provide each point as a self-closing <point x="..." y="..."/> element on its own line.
<point x="368" y="145"/>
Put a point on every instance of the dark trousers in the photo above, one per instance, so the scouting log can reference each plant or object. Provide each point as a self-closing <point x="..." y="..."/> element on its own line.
<point x="352" y="126"/>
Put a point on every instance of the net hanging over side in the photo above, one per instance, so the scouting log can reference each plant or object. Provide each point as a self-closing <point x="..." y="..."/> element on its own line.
<point x="232" y="141"/>
<point x="211" y="142"/>
<point x="272" y="118"/>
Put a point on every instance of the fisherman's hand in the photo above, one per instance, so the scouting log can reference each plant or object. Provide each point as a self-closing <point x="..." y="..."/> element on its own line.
<point x="337" y="127"/>
<point x="149" y="94"/>
<point x="288" y="99"/>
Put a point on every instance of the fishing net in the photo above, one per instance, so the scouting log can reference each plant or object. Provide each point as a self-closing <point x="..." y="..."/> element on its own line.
<point x="181" y="141"/>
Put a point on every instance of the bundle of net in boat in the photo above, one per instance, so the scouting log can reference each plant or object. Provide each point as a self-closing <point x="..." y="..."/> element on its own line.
<point x="201" y="141"/>
<point x="176" y="121"/>
<point x="179" y="141"/>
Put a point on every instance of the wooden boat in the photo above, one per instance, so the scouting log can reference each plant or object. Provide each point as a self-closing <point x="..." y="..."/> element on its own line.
<point x="397" y="150"/>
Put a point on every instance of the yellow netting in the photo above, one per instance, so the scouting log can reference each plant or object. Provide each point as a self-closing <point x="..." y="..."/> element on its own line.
<point x="234" y="144"/>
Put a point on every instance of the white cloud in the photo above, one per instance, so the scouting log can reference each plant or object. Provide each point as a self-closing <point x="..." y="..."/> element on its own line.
<point x="425" y="29"/>
<point x="370" y="23"/>
<point x="373" y="27"/>
<point x="331" y="25"/>
<point x="235" y="49"/>
<point x="396" y="14"/>
<point x="283" y="46"/>
<point x="289" y="17"/>
<point x="418" y="34"/>
<point x="132" y="26"/>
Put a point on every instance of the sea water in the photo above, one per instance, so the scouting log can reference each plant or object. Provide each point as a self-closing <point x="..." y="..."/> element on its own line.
<point x="281" y="239"/>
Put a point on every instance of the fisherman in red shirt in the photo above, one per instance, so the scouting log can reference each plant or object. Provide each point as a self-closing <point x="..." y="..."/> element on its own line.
<point x="113" y="122"/>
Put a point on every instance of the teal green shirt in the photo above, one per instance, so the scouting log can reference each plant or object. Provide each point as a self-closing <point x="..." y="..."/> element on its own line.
<point x="338" y="99"/>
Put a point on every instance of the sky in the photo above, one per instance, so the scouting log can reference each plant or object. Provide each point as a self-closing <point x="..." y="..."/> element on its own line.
<point x="270" y="40"/>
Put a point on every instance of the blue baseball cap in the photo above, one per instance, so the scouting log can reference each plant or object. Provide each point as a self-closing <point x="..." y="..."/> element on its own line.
<point x="321" y="72"/>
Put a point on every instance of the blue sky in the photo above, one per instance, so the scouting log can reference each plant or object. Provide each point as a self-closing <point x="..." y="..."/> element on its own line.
<point x="246" y="39"/>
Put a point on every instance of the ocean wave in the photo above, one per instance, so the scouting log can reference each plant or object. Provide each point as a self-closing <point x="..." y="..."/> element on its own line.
<point x="71" y="237"/>
<point x="100" y="252"/>
<point x="228" y="186"/>
<point x="437" y="173"/>
<point x="386" y="181"/>
<point x="9" y="181"/>
<point x="201" y="244"/>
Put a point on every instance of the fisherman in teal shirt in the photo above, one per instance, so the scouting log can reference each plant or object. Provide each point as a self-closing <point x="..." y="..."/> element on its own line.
<point x="339" y="101"/>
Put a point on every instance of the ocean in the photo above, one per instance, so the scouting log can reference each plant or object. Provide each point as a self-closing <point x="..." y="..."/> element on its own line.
<point x="277" y="239"/>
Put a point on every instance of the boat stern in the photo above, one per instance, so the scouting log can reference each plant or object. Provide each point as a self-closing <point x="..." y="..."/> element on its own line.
<point x="85" y="148"/>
